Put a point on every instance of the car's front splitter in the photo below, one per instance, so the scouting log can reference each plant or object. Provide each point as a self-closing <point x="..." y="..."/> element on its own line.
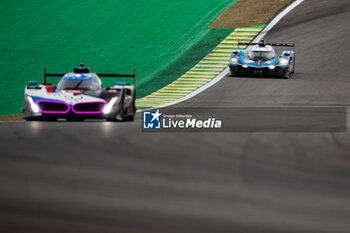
<point x="259" y="72"/>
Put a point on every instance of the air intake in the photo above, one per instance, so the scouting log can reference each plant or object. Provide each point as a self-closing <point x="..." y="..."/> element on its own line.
<point x="95" y="107"/>
<point x="52" y="106"/>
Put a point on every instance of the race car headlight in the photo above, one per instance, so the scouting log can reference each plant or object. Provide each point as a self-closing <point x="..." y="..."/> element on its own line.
<point x="234" y="60"/>
<point x="272" y="67"/>
<point x="33" y="106"/>
<point x="283" y="62"/>
<point x="245" y="66"/>
<point x="109" y="106"/>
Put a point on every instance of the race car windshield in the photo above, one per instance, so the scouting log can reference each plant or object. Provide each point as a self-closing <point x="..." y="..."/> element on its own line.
<point x="263" y="55"/>
<point x="78" y="84"/>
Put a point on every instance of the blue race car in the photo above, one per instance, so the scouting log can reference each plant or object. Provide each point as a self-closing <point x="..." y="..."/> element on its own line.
<point x="260" y="59"/>
<point x="80" y="95"/>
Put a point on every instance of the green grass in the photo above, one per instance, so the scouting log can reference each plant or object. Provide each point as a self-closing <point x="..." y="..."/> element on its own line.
<point x="186" y="61"/>
<point x="108" y="35"/>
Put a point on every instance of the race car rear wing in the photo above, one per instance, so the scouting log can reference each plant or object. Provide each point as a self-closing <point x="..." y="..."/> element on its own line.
<point x="85" y="70"/>
<point x="120" y="75"/>
<point x="262" y="43"/>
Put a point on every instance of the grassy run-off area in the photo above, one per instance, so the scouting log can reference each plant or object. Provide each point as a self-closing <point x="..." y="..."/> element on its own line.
<point x="162" y="39"/>
<point x="249" y="12"/>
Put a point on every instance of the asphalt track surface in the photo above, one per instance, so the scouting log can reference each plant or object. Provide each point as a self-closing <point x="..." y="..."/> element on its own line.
<point x="105" y="177"/>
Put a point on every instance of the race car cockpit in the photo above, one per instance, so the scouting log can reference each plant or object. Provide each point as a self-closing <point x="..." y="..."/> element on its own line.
<point x="258" y="53"/>
<point x="74" y="81"/>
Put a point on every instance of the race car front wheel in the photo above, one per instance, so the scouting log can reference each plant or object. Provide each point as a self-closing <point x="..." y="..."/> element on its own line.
<point x="293" y="65"/>
<point x="287" y="75"/>
<point x="130" y="117"/>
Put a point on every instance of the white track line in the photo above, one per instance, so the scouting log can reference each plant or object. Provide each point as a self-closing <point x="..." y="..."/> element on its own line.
<point x="261" y="35"/>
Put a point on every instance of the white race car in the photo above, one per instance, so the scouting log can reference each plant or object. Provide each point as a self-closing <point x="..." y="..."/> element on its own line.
<point x="80" y="95"/>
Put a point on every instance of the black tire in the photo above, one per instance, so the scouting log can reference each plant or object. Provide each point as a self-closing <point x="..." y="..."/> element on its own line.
<point x="133" y="111"/>
<point x="287" y="75"/>
<point x="232" y="73"/>
<point x="130" y="117"/>
<point x="111" y="119"/>
<point x="293" y="64"/>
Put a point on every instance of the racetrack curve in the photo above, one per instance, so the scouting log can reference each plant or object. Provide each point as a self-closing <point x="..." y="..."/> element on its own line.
<point x="111" y="177"/>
